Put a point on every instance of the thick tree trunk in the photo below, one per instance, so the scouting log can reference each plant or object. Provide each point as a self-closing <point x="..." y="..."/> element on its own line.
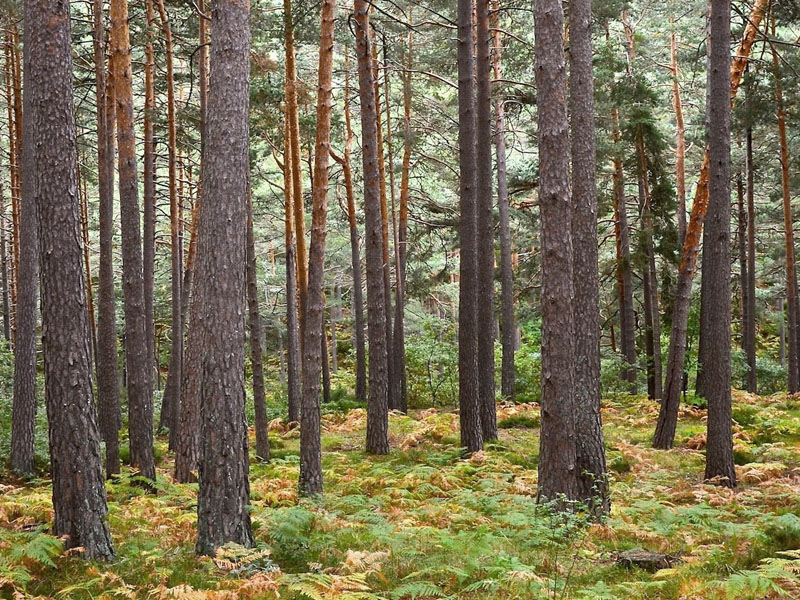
<point x="788" y="228"/>
<point x="716" y="254"/>
<point x="468" y="381"/>
<point x="377" y="441"/>
<point x="508" y="324"/>
<point x="149" y="200"/>
<point x="170" y="406"/>
<point x="254" y="325"/>
<point x="314" y="318"/>
<point x="664" y="435"/>
<point x="140" y="400"/>
<point x="750" y="323"/>
<point x="108" y="403"/>
<point x="79" y="498"/>
<point x="23" y="419"/>
<point x="484" y="215"/>
<point x="224" y="496"/>
<point x="558" y="475"/>
<point x="590" y="449"/>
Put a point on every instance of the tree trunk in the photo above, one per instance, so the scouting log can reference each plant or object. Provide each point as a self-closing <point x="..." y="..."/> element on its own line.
<point x="4" y="272"/>
<point x="83" y="194"/>
<point x="149" y="220"/>
<point x="484" y="215"/>
<point x="314" y="318"/>
<point x="741" y="239"/>
<point x="750" y="324"/>
<point x="79" y="498"/>
<point x="24" y="402"/>
<point x="377" y="441"/>
<point x="468" y="381"/>
<point x="557" y="448"/>
<point x="664" y="435"/>
<point x="140" y="400"/>
<point x="509" y="326"/>
<point x="254" y="324"/>
<point x="788" y="227"/>
<point x="680" y="135"/>
<point x="324" y="352"/>
<point x="294" y="360"/>
<point x="224" y="495"/>
<point x="335" y="313"/>
<point x="590" y="449"/>
<point x="171" y="403"/>
<point x="14" y="183"/>
<point x="716" y="254"/>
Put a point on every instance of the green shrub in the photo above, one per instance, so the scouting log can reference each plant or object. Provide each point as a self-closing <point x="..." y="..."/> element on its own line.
<point x="523" y="420"/>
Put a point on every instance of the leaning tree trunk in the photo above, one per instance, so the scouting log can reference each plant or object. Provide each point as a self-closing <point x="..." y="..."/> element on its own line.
<point x="508" y="321"/>
<point x="557" y="449"/>
<point x="24" y="402"/>
<point x="140" y="400"/>
<point x="224" y="496"/>
<point x="378" y="401"/>
<point x="664" y="435"/>
<point x="484" y="215"/>
<point x="750" y="324"/>
<point x="254" y="325"/>
<point x="108" y="405"/>
<point x="716" y="255"/>
<point x="314" y="317"/>
<point x="79" y="498"/>
<point x="468" y="381"/>
<point x="589" y="448"/>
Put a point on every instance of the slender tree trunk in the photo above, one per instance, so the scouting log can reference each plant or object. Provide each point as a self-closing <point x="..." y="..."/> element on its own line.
<point x="108" y="403"/>
<point x="171" y="402"/>
<point x="468" y="381"/>
<point x="377" y="441"/>
<point x="326" y="366"/>
<point x="254" y="324"/>
<point x="314" y="318"/>
<point x="140" y="400"/>
<point x="750" y="324"/>
<point x="355" y="257"/>
<point x="79" y="498"/>
<point x="4" y="271"/>
<point x="509" y="326"/>
<point x="295" y="386"/>
<point x="741" y="239"/>
<point x="788" y="222"/>
<point x="680" y="135"/>
<point x="719" y="448"/>
<point x="14" y="183"/>
<point x="335" y="313"/>
<point x="224" y="495"/>
<point x="149" y="201"/>
<point x="557" y="448"/>
<point x="781" y="332"/>
<point x="664" y="435"/>
<point x="485" y="225"/>
<point x="590" y="449"/>
<point x="83" y="194"/>
<point x="23" y="419"/>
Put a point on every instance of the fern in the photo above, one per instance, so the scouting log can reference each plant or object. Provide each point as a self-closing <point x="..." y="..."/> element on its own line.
<point x="417" y="589"/>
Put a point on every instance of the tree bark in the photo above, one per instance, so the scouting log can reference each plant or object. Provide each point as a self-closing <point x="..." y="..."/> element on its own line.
<point x="254" y="324"/>
<point x="23" y="421"/>
<point x="140" y="400"/>
<point x="741" y="239"/>
<point x="294" y="360"/>
<point x="4" y="273"/>
<point x="716" y="254"/>
<point x="484" y="215"/>
<point x="680" y="135"/>
<point x="590" y="452"/>
<point x="377" y="441"/>
<point x="508" y="325"/>
<point x="79" y="499"/>
<point x="750" y="323"/>
<point x="149" y="200"/>
<point x="224" y="495"/>
<point x="664" y="435"/>
<point x="557" y="449"/>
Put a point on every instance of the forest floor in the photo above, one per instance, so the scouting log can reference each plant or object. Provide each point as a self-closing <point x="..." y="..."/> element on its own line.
<point x="422" y="523"/>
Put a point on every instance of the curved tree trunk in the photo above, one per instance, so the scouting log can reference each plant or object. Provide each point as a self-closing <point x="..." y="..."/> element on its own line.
<point x="314" y="318"/>
<point x="557" y="448"/>
<point x="139" y="371"/>
<point x="79" y="498"/>
<point x="664" y="435"/>
<point x="378" y="401"/>
<point x="224" y="495"/>
<point x="589" y="447"/>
